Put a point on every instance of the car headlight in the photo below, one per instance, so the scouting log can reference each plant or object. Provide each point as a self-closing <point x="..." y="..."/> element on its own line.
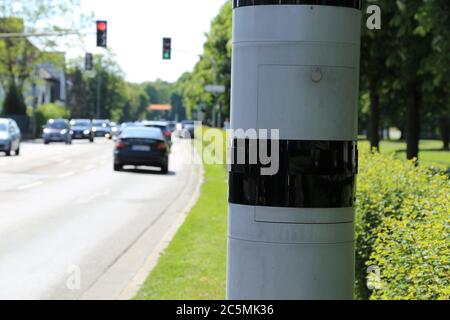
<point x="46" y="130"/>
<point x="64" y="131"/>
<point x="94" y="129"/>
<point x="86" y="132"/>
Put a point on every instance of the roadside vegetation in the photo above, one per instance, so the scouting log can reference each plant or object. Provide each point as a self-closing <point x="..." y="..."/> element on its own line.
<point x="402" y="227"/>
<point x="431" y="152"/>
<point x="50" y="111"/>
<point x="194" y="265"/>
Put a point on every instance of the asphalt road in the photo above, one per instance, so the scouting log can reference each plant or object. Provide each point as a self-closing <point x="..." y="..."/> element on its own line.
<point x="67" y="219"/>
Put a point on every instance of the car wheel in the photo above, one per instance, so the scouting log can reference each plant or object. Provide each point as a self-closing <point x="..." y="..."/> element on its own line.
<point x="8" y="153"/>
<point x="45" y="142"/>
<point x="18" y="151"/>
<point x="164" y="169"/>
<point x="118" y="167"/>
<point x="91" y="140"/>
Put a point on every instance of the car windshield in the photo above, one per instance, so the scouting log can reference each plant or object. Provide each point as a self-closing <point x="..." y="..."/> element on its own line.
<point x="3" y="127"/>
<point x="81" y="123"/>
<point x="139" y="132"/>
<point x="57" y="125"/>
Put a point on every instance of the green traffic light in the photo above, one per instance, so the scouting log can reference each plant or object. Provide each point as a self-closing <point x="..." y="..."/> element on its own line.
<point x="166" y="55"/>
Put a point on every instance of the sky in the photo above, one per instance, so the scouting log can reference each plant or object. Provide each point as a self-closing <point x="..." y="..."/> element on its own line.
<point x="136" y="29"/>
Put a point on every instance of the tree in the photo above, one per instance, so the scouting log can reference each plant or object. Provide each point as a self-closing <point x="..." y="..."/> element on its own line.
<point x="77" y="96"/>
<point x="434" y="20"/>
<point x="19" y="55"/>
<point x="374" y="71"/>
<point x="106" y="85"/>
<point x="159" y="91"/>
<point x="14" y="103"/>
<point x="136" y="104"/>
<point x="214" y="67"/>
<point x="413" y="47"/>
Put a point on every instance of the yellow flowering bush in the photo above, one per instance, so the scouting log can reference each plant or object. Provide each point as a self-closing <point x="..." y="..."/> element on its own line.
<point x="401" y="230"/>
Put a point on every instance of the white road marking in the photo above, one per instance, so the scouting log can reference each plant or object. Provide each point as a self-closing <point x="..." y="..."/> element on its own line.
<point x="65" y="162"/>
<point x="94" y="196"/>
<point x="89" y="167"/>
<point x="65" y="175"/>
<point x="31" y="185"/>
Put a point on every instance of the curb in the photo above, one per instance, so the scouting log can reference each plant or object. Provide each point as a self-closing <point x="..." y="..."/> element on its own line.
<point x="130" y="291"/>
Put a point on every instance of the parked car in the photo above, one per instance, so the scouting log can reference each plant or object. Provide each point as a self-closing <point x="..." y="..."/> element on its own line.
<point x="141" y="146"/>
<point x="82" y="129"/>
<point x="57" y="130"/>
<point x="188" y="129"/>
<point x="161" y="125"/>
<point x="9" y="137"/>
<point x="101" y="128"/>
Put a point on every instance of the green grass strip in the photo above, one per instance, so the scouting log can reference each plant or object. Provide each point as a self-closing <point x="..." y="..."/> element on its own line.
<point x="194" y="264"/>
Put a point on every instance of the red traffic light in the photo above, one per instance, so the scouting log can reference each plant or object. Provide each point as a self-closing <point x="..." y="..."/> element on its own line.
<point x="101" y="26"/>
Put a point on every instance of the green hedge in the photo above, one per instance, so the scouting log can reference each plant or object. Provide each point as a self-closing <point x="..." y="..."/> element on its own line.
<point x="402" y="229"/>
<point x="50" y="111"/>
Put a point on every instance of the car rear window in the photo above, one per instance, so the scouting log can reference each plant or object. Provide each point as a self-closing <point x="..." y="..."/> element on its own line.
<point x="145" y="133"/>
<point x="160" y="127"/>
<point x="81" y="123"/>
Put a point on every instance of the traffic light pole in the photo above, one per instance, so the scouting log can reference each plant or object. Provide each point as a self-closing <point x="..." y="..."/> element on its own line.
<point x="295" y="70"/>
<point x="99" y="84"/>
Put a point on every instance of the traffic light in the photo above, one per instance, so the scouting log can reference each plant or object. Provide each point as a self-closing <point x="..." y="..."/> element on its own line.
<point x="88" y="61"/>
<point x="167" y="48"/>
<point x="102" y="33"/>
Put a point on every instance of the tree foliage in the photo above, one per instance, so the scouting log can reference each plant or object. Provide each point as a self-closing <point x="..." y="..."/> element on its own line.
<point x="405" y="70"/>
<point x="104" y="92"/>
<point x="49" y="111"/>
<point x="19" y="55"/>
<point x="214" y="67"/>
<point x="14" y="103"/>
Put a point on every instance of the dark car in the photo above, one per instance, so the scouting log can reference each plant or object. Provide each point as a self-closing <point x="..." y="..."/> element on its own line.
<point x="125" y="125"/>
<point x="9" y="137"/>
<point x="82" y="129"/>
<point x="141" y="146"/>
<point x="57" y="130"/>
<point x="188" y="129"/>
<point x="172" y="126"/>
<point x="161" y="125"/>
<point x="101" y="128"/>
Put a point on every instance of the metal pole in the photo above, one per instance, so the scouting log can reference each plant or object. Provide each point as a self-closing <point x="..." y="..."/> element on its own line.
<point x="295" y="71"/>
<point x="35" y="35"/>
<point x="99" y="84"/>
